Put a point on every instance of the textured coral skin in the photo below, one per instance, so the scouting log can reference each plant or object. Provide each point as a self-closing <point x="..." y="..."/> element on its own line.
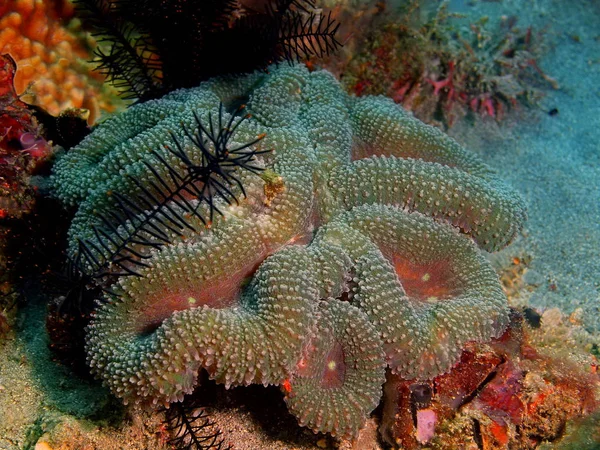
<point x="344" y="341"/>
<point x="299" y="286"/>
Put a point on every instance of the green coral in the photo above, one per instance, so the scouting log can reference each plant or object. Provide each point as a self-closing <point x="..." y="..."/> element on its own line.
<point x="350" y="252"/>
<point x="427" y="289"/>
<point x="342" y="366"/>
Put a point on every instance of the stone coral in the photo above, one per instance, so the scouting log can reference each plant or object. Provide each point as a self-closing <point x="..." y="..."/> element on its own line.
<point x="354" y="248"/>
<point x="36" y="34"/>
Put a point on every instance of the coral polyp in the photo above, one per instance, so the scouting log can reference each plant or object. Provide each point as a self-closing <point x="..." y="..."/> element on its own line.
<point x="337" y="381"/>
<point x="351" y="245"/>
<point x="427" y="289"/>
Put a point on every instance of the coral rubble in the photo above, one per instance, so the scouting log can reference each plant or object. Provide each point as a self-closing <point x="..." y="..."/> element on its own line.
<point x="517" y="391"/>
<point x="330" y="237"/>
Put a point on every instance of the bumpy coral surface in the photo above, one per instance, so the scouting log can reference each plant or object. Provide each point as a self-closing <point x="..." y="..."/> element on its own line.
<point x="356" y="246"/>
<point x="35" y="34"/>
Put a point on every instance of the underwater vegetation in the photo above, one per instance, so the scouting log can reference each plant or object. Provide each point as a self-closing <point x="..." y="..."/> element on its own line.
<point x="333" y="237"/>
<point x="440" y="69"/>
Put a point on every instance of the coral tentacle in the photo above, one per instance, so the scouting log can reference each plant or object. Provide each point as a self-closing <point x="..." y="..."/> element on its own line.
<point x="144" y="360"/>
<point x="338" y="380"/>
<point x="487" y="211"/>
<point x="383" y="128"/>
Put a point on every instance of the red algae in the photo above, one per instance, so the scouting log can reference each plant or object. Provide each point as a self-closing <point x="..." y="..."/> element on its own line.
<point x="17" y="162"/>
<point x="499" y="396"/>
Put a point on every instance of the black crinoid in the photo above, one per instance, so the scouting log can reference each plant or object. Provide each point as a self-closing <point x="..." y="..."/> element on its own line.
<point x="191" y="428"/>
<point x="163" y="204"/>
<point x="193" y="181"/>
<point x="150" y="47"/>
